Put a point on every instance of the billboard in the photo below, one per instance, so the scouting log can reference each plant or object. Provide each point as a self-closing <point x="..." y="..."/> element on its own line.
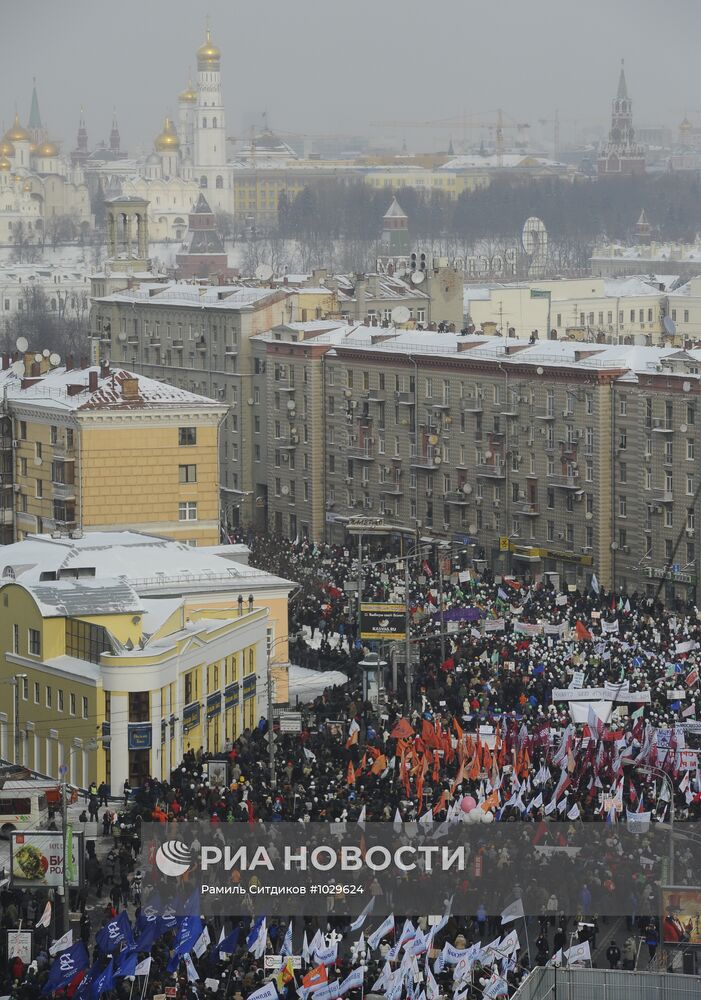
<point x="36" y="859"/>
<point x="681" y="915"/>
<point x="382" y="621"/>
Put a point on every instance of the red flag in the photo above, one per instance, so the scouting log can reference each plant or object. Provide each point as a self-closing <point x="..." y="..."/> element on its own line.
<point x="692" y="677"/>
<point x="582" y="632"/>
<point x="315" y="977"/>
<point x="426" y="568"/>
<point x="350" y="776"/>
<point x="402" y="730"/>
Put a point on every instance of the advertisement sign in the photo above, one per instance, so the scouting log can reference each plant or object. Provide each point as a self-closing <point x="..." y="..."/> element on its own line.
<point x="19" y="945"/>
<point x="140" y="735"/>
<point x="213" y="704"/>
<point x="249" y="687"/>
<point x="681" y="916"/>
<point x="216" y="772"/>
<point x="382" y="621"/>
<point x="36" y="859"/>
<point x="191" y="716"/>
<point x="231" y="696"/>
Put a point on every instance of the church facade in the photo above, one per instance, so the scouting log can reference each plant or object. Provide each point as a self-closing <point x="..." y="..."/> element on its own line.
<point x="622" y="156"/>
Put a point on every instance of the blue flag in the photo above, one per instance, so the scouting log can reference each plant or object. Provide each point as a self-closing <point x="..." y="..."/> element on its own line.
<point x="150" y="934"/>
<point x="188" y="933"/>
<point x="255" y="932"/>
<point x="103" y="981"/>
<point x="109" y="937"/>
<point x="65" y="966"/>
<point x="149" y="912"/>
<point x="229" y="944"/>
<point x="126" y="963"/>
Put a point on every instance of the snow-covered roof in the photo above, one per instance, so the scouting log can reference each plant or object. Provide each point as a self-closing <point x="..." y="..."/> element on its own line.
<point x="633" y="286"/>
<point x="380" y="286"/>
<point x="84" y="596"/>
<point x="147" y="563"/>
<point x="181" y="293"/>
<point x="508" y="161"/>
<point x="53" y="390"/>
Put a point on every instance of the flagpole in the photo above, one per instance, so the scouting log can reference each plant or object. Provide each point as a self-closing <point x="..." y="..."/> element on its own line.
<point x="143" y="992"/>
<point x="528" y="943"/>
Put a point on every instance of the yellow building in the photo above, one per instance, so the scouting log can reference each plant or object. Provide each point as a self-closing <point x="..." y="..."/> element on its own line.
<point x="114" y="685"/>
<point x="104" y="449"/>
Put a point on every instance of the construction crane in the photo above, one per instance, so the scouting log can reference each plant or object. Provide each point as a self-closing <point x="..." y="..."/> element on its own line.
<point x="461" y="122"/>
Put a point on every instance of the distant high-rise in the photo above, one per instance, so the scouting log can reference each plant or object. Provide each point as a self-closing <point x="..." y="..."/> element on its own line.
<point x="622" y="155"/>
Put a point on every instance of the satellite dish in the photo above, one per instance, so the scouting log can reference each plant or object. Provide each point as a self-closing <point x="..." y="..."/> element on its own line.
<point x="55" y="359"/>
<point x="38" y="461"/>
<point x="250" y="400"/>
<point x="22" y="344"/>
<point x="417" y="277"/>
<point x="400" y="314"/>
<point x="285" y="490"/>
<point x="670" y="327"/>
<point x="291" y="405"/>
<point x="121" y="337"/>
<point x="437" y="460"/>
<point x="433" y="439"/>
<point x="472" y="528"/>
<point x="467" y="489"/>
<point x="683" y="429"/>
<point x="487" y="455"/>
<point x="46" y="352"/>
<point x="264" y="272"/>
<point x="539" y="370"/>
<point x="37" y="357"/>
<point x="686" y="386"/>
<point x="614" y="546"/>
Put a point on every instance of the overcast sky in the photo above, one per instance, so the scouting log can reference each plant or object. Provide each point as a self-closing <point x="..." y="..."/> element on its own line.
<point x="328" y="66"/>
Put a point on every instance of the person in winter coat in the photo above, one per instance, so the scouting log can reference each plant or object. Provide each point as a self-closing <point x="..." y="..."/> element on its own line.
<point x="629" y="953"/>
<point x="613" y="955"/>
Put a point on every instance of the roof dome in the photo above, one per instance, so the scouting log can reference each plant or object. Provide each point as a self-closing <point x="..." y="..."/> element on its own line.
<point x="5" y="164"/>
<point x="168" y="140"/>
<point x="6" y="148"/>
<point x="47" y="149"/>
<point x="189" y="95"/>
<point x="17" y="133"/>
<point x="208" y="55"/>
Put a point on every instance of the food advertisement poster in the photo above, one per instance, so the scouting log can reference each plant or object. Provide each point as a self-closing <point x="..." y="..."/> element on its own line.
<point x="37" y="859"/>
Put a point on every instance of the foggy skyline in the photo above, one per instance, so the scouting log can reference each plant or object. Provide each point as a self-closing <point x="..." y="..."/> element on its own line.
<point x="321" y="67"/>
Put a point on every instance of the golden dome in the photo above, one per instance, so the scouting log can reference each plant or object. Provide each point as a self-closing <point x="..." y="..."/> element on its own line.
<point x="27" y="186"/>
<point x="17" y="133"/>
<point x="33" y="148"/>
<point x="47" y="149"/>
<point x="6" y="148"/>
<point x="168" y="140"/>
<point x="189" y="95"/>
<point x="5" y="164"/>
<point x="686" y="126"/>
<point x="208" y="54"/>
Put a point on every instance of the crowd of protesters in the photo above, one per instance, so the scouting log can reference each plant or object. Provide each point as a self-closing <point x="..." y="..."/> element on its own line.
<point x="485" y="729"/>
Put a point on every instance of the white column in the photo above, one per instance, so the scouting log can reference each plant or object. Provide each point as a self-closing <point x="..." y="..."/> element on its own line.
<point x="178" y="712"/>
<point x="119" y="742"/>
<point x="35" y="762"/>
<point x="3" y="735"/>
<point x="156" y="713"/>
<point x="165" y="755"/>
<point x="205" y="722"/>
<point x="84" y="769"/>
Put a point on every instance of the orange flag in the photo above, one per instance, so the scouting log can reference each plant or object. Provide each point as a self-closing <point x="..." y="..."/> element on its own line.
<point x="458" y="728"/>
<point x="379" y="765"/>
<point x="491" y="802"/>
<point x="352" y="739"/>
<point x="315" y="977"/>
<point x="402" y="730"/>
<point x="441" y="804"/>
<point x="474" y="772"/>
<point x="350" y="777"/>
<point x="581" y="631"/>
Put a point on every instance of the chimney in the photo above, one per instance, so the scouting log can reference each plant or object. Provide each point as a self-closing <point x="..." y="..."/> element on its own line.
<point x="69" y="363"/>
<point x="104" y="369"/>
<point x="92" y="381"/>
<point x="74" y="390"/>
<point x="5" y="361"/>
<point x="130" y="388"/>
<point x="26" y="382"/>
<point x="83" y="362"/>
<point x="28" y="359"/>
<point x="35" y="369"/>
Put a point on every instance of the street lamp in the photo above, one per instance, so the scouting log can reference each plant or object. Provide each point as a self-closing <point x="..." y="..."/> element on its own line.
<point x="271" y="734"/>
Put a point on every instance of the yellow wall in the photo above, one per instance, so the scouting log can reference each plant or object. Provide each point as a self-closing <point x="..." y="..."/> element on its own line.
<point x="131" y="478"/>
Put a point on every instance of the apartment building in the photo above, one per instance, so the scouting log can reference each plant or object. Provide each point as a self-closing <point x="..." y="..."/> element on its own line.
<point x="104" y="448"/>
<point x="197" y="338"/>
<point x="552" y="457"/>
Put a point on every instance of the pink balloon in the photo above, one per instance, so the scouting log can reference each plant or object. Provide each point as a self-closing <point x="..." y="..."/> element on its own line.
<point x="468" y="804"/>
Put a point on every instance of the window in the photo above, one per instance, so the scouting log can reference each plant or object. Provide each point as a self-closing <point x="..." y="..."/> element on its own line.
<point x="550" y="498"/>
<point x="551" y="531"/>
<point x="622" y="440"/>
<point x="23" y="430"/>
<point x="187" y="510"/>
<point x="622" y="506"/>
<point x="86" y="641"/>
<point x="187" y="473"/>
<point x="37" y="692"/>
<point x="85" y="708"/>
<point x="49" y="697"/>
<point x="622" y="472"/>
<point x="689" y="486"/>
<point x="623" y="406"/>
<point x="15" y="638"/>
<point x="71" y="704"/>
<point x="60" y="699"/>
<point x="690" y="450"/>
<point x="25" y="688"/>
<point x="187" y="436"/>
<point x="34" y="642"/>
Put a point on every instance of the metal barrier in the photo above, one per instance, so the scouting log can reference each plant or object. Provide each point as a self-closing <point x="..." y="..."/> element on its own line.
<point x="605" y="984"/>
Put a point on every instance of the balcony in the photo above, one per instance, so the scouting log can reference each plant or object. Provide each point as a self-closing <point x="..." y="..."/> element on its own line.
<point x="391" y="489"/>
<point x="525" y="509"/>
<point x="544" y="415"/>
<point x="7" y="515"/>
<point x="427" y="462"/>
<point x="663" y="496"/>
<point x="491" y="471"/>
<point x="404" y="398"/>
<point x="201" y="345"/>
<point x="178" y="344"/>
<point x="64" y="491"/>
<point x="133" y="340"/>
<point x="439" y="404"/>
<point x="457" y="497"/>
<point x="505" y="409"/>
<point x="63" y="452"/>
<point x="661" y="426"/>
<point x="361" y="454"/>
<point x="373" y="396"/>
<point x="473" y="405"/>
<point x="566" y="482"/>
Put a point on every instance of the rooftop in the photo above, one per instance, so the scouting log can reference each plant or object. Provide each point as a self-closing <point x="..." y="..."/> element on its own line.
<point x="183" y="293"/>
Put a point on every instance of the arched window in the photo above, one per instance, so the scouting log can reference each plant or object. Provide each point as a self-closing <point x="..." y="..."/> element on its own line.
<point x="219" y="183"/>
<point x="204" y="123"/>
<point x="203" y="181"/>
<point x="214" y="122"/>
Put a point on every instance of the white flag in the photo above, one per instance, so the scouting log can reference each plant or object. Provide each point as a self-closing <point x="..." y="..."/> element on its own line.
<point x="578" y="953"/>
<point x="594" y="583"/>
<point x="432" y="991"/>
<point x="514" y="911"/>
<point x="556" y="961"/>
<point x="360" y="919"/>
<point x="510" y="943"/>
<point x="361" y="819"/>
<point x="267" y="992"/>
<point x="192" y="976"/>
<point x="496" y="987"/>
<point x="45" y="919"/>
<point x="202" y="943"/>
<point x="353" y="981"/>
<point x="397" y="822"/>
<point x="287" y="941"/>
<point x="143" y="968"/>
<point x="383" y="930"/>
<point x="574" y="812"/>
<point x="427" y="818"/>
<point x="60" y="944"/>
<point x="306" y="955"/>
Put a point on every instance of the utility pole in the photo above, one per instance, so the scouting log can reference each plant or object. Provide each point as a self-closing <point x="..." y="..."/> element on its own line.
<point x="271" y="734"/>
<point x="440" y="598"/>
<point x="360" y="579"/>
<point x="64" y="835"/>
